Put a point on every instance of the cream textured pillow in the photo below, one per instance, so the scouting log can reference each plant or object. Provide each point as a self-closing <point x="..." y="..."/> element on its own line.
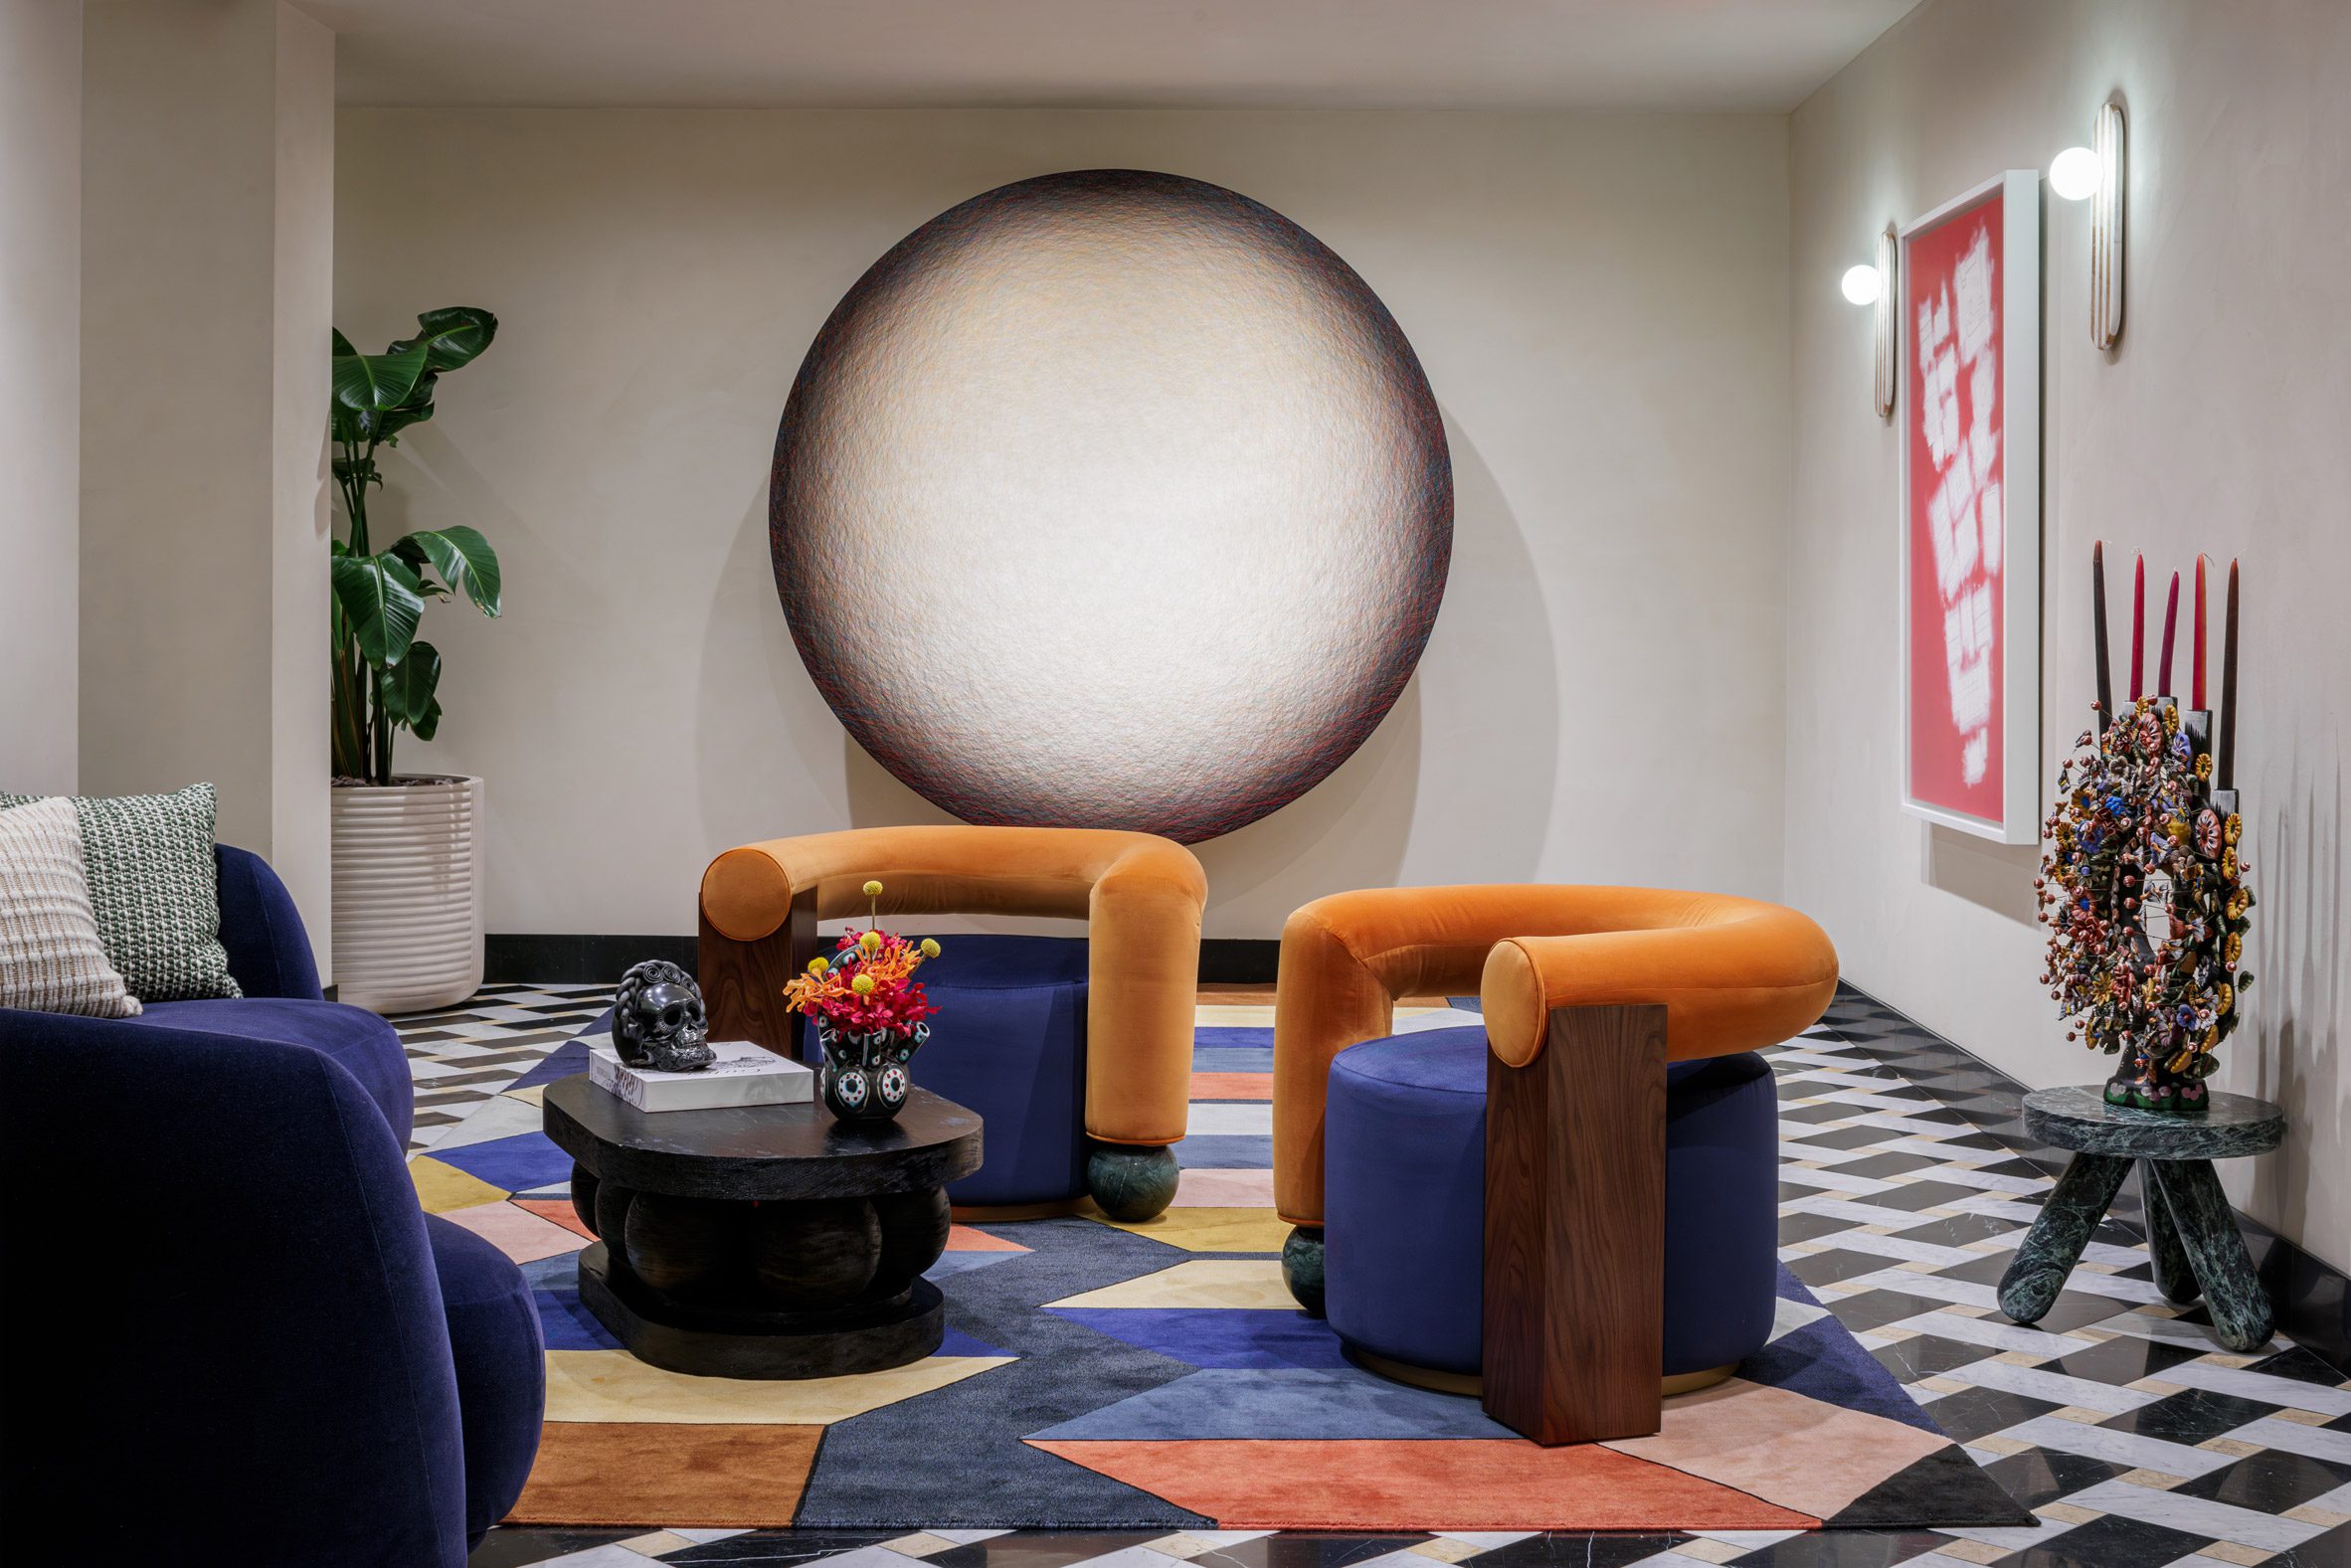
<point x="51" y="958"/>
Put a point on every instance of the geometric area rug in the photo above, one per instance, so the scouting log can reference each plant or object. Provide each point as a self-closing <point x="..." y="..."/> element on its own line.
<point x="1114" y="1377"/>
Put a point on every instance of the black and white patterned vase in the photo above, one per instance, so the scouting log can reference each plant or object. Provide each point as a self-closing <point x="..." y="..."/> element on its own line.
<point x="864" y="1076"/>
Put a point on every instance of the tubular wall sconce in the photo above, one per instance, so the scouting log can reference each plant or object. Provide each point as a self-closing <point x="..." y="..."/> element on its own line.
<point x="2099" y="172"/>
<point x="1874" y="285"/>
<point x="1882" y="384"/>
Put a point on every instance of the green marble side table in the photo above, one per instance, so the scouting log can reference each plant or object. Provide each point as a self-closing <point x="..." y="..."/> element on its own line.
<point x="2191" y="1230"/>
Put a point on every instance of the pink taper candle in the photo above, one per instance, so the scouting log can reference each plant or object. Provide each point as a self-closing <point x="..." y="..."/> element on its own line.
<point x="2171" y="620"/>
<point x="2138" y="627"/>
<point x="2198" y="700"/>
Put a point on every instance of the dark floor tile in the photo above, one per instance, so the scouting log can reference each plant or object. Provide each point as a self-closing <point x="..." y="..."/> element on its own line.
<point x="1842" y="1549"/>
<point x="1827" y="1268"/>
<point x="1826" y="1111"/>
<point x="1979" y="1412"/>
<point x="1984" y="1269"/>
<point x="2331" y="1550"/>
<point x="2078" y="1309"/>
<point x="2270" y="1482"/>
<point x="1871" y="1308"/>
<point x="1961" y="1230"/>
<point x="1838" y="1138"/>
<point x="1923" y="1355"/>
<point x="1333" y="1549"/>
<point x="1577" y="1548"/>
<point x="2125" y="1358"/>
<point x="2190" y="1416"/>
<point x="1917" y="1195"/>
<point x="2110" y="1541"/>
<point x="1878" y="1167"/>
<point x="1794" y="1228"/>
<point x="2043" y="1475"/>
<point x="781" y="1548"/>
<point x="520" y="1545"/>
<point x="466" y="1080"/>
<point x="2296" y="1362"/>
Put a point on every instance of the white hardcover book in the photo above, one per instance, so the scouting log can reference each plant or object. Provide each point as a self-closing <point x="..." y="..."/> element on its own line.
<point x="743" y="1075"/>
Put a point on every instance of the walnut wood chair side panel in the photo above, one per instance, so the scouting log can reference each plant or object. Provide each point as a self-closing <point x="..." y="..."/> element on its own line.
<point x="1574" y="1254"/>
<point x="743" y="982"/>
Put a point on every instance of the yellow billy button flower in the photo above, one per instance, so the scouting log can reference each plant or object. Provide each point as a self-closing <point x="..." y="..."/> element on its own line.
<point x="870" y="940"/>
<point x="862" y="986"/>
<point x="818" y="965"/>
<point x="930" y="947"/>
<point x="873" y="890"/>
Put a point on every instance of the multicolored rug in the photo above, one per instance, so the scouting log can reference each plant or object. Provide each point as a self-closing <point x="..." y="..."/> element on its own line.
<point x="1100" y="1376"/>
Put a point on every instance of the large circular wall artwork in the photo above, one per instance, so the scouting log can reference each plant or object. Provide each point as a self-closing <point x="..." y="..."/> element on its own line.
<point x="1111" y="500"/>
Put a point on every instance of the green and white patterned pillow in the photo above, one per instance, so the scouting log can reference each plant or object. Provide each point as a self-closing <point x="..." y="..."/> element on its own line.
<point x="155" y="890"/>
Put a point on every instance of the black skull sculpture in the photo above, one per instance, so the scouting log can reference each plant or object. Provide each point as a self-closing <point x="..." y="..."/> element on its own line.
<point x="659" y="1021"/>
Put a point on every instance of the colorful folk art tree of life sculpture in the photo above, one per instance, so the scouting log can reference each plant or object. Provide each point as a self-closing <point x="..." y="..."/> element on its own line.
<point x="2142" y="883"/>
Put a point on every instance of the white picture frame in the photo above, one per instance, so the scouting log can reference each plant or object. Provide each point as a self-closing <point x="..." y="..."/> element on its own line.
<point x="1937" y="793"/>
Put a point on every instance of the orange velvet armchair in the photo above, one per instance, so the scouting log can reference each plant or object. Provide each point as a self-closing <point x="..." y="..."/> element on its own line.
<point x="1140" y="896"/>
<point x="1587" y="993"/>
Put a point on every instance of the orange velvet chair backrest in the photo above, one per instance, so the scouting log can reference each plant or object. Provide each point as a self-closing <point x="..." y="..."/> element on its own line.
<point x="1732" y="974"/>
<point x="1140" y="896"/>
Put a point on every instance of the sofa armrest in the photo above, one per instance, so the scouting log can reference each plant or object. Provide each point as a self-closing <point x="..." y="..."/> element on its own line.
<point x="220" y="1276"/>
<point x="269" y="949"/>
<point x="1732" y="974"/>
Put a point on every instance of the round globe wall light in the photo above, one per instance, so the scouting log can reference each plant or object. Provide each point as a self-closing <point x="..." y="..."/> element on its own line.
<point x="1863" y="284"/>
<point x="2075" y="173"/>
<point x="1111" y="500"/>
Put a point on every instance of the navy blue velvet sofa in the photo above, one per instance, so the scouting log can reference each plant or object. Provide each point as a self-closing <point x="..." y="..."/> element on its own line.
<point x="233" y="1336"/>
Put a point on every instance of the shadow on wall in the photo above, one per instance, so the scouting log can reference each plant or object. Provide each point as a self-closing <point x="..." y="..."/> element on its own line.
<point x="2297" y="1001"/>
<point x="1484" y="702"/>
<point x="1998" y="877"/>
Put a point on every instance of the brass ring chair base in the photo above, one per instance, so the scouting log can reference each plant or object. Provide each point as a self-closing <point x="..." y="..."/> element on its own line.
<point x="1474" y="1386"/>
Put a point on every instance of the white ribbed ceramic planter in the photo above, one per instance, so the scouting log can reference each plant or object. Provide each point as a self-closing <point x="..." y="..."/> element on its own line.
<point x="408" y="894"/>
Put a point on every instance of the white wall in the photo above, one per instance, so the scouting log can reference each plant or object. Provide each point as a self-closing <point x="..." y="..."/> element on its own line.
<point x="2219" y="425"/>
<point x="208" y="155"/>
<point x="40" y="396"/>
<point x="1600" y="302"/>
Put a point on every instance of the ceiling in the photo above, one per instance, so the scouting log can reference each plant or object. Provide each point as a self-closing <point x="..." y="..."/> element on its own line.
<point x="1759" y="55"/>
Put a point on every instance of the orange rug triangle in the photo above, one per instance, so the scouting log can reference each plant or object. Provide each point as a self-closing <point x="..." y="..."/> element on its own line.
<point x="1448" y="1485"/>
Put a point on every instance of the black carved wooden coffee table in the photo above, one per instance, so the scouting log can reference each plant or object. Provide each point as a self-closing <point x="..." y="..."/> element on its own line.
<point x="763" y="1241"/>
<point x="2191" y="1231"/>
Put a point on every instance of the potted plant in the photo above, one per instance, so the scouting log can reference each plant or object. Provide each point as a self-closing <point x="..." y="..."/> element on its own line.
<point x="406" y="847"/>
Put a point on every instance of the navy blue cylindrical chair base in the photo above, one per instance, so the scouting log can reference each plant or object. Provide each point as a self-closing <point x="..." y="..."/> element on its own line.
<point x="1404" y="1170"/>
<point x="1010" y="1042"/>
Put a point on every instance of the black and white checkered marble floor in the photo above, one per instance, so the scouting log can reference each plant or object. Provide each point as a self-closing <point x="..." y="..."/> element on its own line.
<point x="2119" y="1421"/>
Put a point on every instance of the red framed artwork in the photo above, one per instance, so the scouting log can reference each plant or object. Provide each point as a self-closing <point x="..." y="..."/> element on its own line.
<point x="1970" y="316"/>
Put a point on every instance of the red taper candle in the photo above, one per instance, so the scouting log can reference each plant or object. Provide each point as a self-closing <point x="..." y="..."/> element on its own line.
<point x="2197" y="701"/>
<point x="2138" y="627"/>
<point x="2171" y="621"/>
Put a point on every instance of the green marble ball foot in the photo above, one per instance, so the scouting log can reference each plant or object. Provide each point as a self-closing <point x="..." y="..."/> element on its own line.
<point x="1131" y="1181"/>
<point x="1302" y="1267"/>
